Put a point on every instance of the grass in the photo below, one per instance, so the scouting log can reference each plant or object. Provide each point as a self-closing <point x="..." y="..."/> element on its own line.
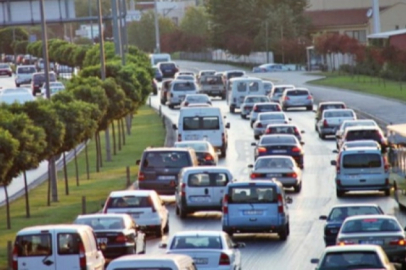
<point x="364" y="84"/>
<point x="147" y="130"/>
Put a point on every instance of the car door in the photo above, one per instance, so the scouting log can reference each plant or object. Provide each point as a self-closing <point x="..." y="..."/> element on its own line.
<point x="219" y="182"/>
<point x="67" y="246"/>
<point x="240" y="92"/>
<point x="94" y="256"/>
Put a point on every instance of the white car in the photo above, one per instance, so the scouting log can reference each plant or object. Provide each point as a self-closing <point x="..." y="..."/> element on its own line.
<point x="54" y="88"/>
<point x="210" y="250"/>
<point x="19" y="95"/>
<point x="266" y="118"/>
<point x="195" y="99"/>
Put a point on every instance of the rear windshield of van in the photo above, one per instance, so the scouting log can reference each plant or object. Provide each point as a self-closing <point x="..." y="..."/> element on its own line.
<point x="234" y="75"/>
<point x="186" y="86"/>
<point x="298" y="93"/>
<point x="130" y="202"/>
<point x="253" y="194"/>
<point x="355" y="135"/>
<point x="256" y="99"/>
<point x="26" y="70"/>
<point x="31" y="245"/>
<point x="201" y="123"/>
<point x="206" y="80"/>
<point x="166" y="159"/>
<point x="208" y="180"/>
<point x="362" y="160"/>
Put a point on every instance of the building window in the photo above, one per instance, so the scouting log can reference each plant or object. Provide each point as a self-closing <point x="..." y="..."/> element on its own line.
<point x="360" y="35"/>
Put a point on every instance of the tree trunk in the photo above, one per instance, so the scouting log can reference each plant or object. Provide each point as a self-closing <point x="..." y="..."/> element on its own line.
<point x="123" y="130"/>
<point x="87" y="161"/>
<point x="128" y="119"/>
<point x="7" y="208"/>
<point x="100" y="150"/>
<point x="119" y="134"/>
<point x="113" y="131"/>
<point x="96" y="140"/>
<point x="54" y="179"/>
<point x="76" y="166"/>
<point x="107" y="144"/>
<point x="27" y="201"/>
<point x="49" y="188"/>
<point x="65" y="173"/>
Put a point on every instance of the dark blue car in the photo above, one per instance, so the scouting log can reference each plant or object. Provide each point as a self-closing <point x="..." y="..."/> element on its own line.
<point x="280" y="144"/>
<point x="339" y="213"/>
<point x="158" y="74"/>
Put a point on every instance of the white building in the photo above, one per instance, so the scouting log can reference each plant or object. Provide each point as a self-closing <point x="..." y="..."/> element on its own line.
<point x="88" y="31"/>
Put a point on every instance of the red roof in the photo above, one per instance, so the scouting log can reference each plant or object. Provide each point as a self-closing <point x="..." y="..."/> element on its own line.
<point x="338" y="17"/>
<point x="144" y="6"/>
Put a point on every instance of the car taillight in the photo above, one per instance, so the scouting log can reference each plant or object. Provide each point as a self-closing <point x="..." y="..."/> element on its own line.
<point x="268" y="131"/>
<point x="255" y="175"/>
<point x="225" y="204"/>
<point x="398" y="242"/>
<point x="325" y="124"/>
<point x="287" y="98"/>
<point x="259" y="125"/>
<point x="179" y="137"/>
<point x="82" y="256"/>
<point x="261" y="150"/>
<point x="255" y="108"/>
<point x="296" y="149"/>
<point x="141" y="176"/>
<point x="224" y="259"/>
<point x="186" y="103"/>
<point x="182" y="190"/>
<point x="309" y="97"/>
<point x="294" y="175"/>
<point x="280" y="204"/>
<point x="15" y="257"/>
<point x="208" y="157"/>
<point x="121" y="238"/>
<point x="345" y="242"/>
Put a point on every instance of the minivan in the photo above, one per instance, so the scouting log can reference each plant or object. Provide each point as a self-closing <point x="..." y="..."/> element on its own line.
<point x="203" y="123"/>
<point x="57" y="247"/>
<point x="361" y="169"/>
<point x="178" y="90"/>
<point x="24" y="74"/>
<point x="257" y="206"/>
<point x="239" y="88"/>
<point x="153" y="262"/>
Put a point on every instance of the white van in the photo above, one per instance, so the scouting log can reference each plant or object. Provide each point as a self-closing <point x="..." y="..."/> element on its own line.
<point x="159" y="57"/>
<point x="200" y="123"/>
<point x="161" y="261"/>
<point x="178" y="90"/>
<point x="57" y="247"/>
<point x="239" y="88"/>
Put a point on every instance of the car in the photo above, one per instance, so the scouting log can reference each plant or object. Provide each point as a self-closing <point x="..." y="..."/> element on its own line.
<point x="329" y="105"/>
<point x="64" y="69"/>
<point x="5" y="70"/>
<point x="277" y="91"/>
<point x="239" y="88"/>
<point x="285" y="129"/>
<point x="38" y="80"/>
<point x="212" y="85"/>
<point x="201" y="189"/>
<point x="117" y="234"/>
<point x="209" y="72"/>
<point x="178" y="90"/>
<point x="282" y="168"/>
<point x="248" y="104"/>
<point x="168" y="69"/>
<point x="257" y="206"/>
<point x="261" y="108"/>
<point x="266" y="118"/>
<point x="296" y="98"/>
<point x="40" y="65"/>
<point x="339" y="213"/>
<point x="272" y="67"/>
<point x="228" y="75"/>
<point x="195" y="99"/>
<point x="154" y="87"/>
<point x="195" y="105"/>
<point x="331" y="121"/>
<point x="268" y="87"/>
<point x="380" y="230"/>
<point x="185" y="73"/>
<point x="144" y="206"/>
<point x="365" y="133"/>
<point x="54" y="88"/>
<point x="358" y="144"/>
<point x="352" y="123"/>
<point x="29" y="60"/>
<point x="209" y="249"/>
<point x="205" y="152"/>
<point x="190" y="78"/>
<point x="24" y="74"/>
<point x="151" y="262"/>
<point x="165" y="86"/>
<point x="19" y="95"/>
<point x="159" y="168"/>
<point x="353" y="257"/>
<point x="157" y="74"/>
<point x="283" y="144"/>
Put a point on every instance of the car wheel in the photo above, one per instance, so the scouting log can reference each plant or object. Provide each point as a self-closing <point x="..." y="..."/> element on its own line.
<point x="166" y="228"/>
<point x="298" y="187"/>
<point x="252" y="124"/>
<point x="223" y="151"/>
<point x="339" y="193"/>
<point x="162" y="102"/>
<point x="309" y="108"/>
<point x="283" y="234"/>
<point x="322" y="136"/>
<point x="256" y="137"/>
<point x="182" y="213"/>
<point x="387" y="192"/>
<point x="232" y="109"/>
<point x="171" y="107"/>
<point x="159" y="232"/>
<point x="223" y="97"/>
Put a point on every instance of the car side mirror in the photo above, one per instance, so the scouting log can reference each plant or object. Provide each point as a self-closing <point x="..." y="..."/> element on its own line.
<point x="250" y="166"/>
<point x="335" y="151"/>
<point x="174" y="126"/>
<point x="228" y="125"/>
<point x="289" y="200"/>
<point x="314" y="261"/>
<point x="302" y="143"/>
<point x="138" y="162"/>
<point x="303" y="132"/>
<point x="290" y="119"/>
<point x="323" y="217"/>
<point x="338" y="136"/>
<point x="239" y="245"/>
<point x="333" y="163"/>
<point x="254" y="144"/>
<point x="163" y="245"/>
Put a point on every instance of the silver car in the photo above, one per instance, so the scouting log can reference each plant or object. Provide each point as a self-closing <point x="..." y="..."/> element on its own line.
<point x="277" y="91"/>
<point x="264" y="119"/>
<point x="195" y="99"/>
<point x="268" y="87"/>
<point x="352" y="123"/>
<point x="296" y="98"/>
<point x="261" y="108"/>
<point x="248" y="104"/>
<point x="380" y="230"/>
<point x="359" y="144"/>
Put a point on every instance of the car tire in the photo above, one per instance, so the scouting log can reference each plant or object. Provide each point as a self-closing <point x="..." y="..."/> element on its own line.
<point x="387" y="192"/>
<point x="223" y="97"/>
<point x="322" y="136"/>
<point x="162" y="102"/>
<point x="166" y="228"/>
<point x="223" y="151"/>
<point x="232" y="109"/>
<point x="171" y="107"/>
<point x="339" y="193"/>
<point x="309" y="108"/>
<point x="298" y="187"/>
<point x="182" y="213"/>
<point x="256" y="137"/>
<point x="283" y="234"/>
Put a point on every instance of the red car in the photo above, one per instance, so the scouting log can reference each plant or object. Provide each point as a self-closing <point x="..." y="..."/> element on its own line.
<point x="5" y="70"/>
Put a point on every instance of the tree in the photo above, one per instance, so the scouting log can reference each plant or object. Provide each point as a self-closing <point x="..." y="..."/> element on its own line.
<point x="7" y="37"/>
<point x="195" y="22"/>
<point x="93" y="54"/>
<point x="9" y="150"/>
<point x="82" y="8"/>
<point x="20" y="47"/>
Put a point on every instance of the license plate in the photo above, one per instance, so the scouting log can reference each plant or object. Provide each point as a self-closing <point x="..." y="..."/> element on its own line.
<point x="192" y="137"/>
<point x="252" y="212"/>
<point x="353" y="176"/>
<point x="166" y="177"/>
<point x="371" y="242"/>
<point x="200" y="199"/>
<point x="279" y="151"/>
<point x="102" y="240"/>
<point x="274" y="175"/>
<point x="201" y="260"/>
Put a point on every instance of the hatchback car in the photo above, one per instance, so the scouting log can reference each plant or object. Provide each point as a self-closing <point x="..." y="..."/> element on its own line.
<point x="249" y="102"/>
<point x="5" y="70"/>
<point x="195" y="99"/>
<point x="267" y="118"/>
<point x="365" y="133"/>
<point x="286" y="145"/>
<point x="352" y="123"/>
<point x="273" y="129"/>
<point x="205" y="152"/>
<point x="282" y="168"/>
<point x="327" y="106"/>
<point x="168" y="69"/>
<point x="157" y="74"/>
<point x="339" y="213"/>
<point x="261" y="108"/>
<point x="381" y="230"/>
<point x="296" y="98"/>
<point x="277" y="91"/>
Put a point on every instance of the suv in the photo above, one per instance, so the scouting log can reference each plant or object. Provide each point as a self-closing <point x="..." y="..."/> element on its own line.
<point x="365" y="133"/>
<point x="168" y="69"/>
<point x="296" y="98"/>
<point x="38" y="79"/>
<point x="327" y="106"/>
<point x="256" y="207"/>
<point x="160" y="167"/>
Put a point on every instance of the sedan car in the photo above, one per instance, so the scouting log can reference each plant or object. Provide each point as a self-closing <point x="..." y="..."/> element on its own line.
<point x="353" y="257"/>
<point x="249" y="102"/>
<point x="264" y="119"/>
<point x="352" y="123"/>
<point x="359" y="144"/>
<point x="205" y="152"/>
<point x="339" y="213"/>
<point x="195" y="99"/>
<point x="261" y="108"/>
<point x="168" y="69"/>
<point x="380" y="230"/>
<point x="277" y="91"/>
<point x="117" y="234"/>
<point x="283" y="168"/>
<point x="272" y="67"/>
<point x="285" y="145"/>
<point x="209" y="249"/>
<point x="54" y="88"/>
<point x="285" y="129"/>
<point x="5" y="70"/>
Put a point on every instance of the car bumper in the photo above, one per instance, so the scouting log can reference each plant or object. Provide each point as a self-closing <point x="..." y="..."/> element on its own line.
<point x="330" y="240"/>
<point x="363" y="187"/>
<point x="5" y="73"/>
<point x="288" y="181"/>
<point x="328" y="130"/>
<point x="254" y="229"/>
<point x="297" y="105"/>
<point x="396" y="255"/>
<point x="113" y="252"/>
<point x="259" y="131"/>
<point x="161" y="187"/>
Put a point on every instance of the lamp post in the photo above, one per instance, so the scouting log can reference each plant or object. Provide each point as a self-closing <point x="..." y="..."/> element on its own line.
<point x="158" y="43"/>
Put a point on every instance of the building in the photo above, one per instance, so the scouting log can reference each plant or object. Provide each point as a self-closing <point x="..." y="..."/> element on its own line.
<point x="396" y="38"/>
<point x="347" y="4"/>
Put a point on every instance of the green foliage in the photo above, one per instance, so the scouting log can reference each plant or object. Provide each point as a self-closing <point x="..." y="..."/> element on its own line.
<point x="9" y="150"/>
<point x="6" y="38"/>
<point x="79" y="55"/>
<point x="83" y="41"/>
<point x="55" y="47"/>
<point x="82" y="8"/>
<point x="195" y="22"/>
<point x="116" y="102"/>
<point x="20" y="47"/>
<point x="93" y="54"/>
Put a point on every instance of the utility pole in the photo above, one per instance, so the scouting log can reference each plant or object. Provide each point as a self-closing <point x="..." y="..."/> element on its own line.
<point x="124" y="40"/>
<point x="51" y="161"/>
<point x="91" y="22"/>
<point x="158" y="43"/>
<point x="266" y="42"/>
<point x="376" y="16"/>
<point x="116" y="30"/>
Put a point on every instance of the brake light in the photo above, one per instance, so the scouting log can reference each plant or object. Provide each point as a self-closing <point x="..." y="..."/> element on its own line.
<point x="261" y="150"/>
<point x="121" y="238"/>
<point x="325" y="124"/>
<point x="280" y="204"/>
<point x="259" y="125"/>
<point x="224" y="259"/>
<point x="294" y="175"/>
<point x="398" y="242"/>
<point x="15" y="257"/>
<point x="296" y="130"/>
<point x="141" y="176"/>
<point x="179" y="137"/>
<point x="345" y="242"/>
<point x="309" y="97"/>
<point x="255" y="175"/>
<point x="268" y="131"/>
<point x="255" y="108"/>
<point x="225" y="204"/>
<point x="208" y="157"/>
<point x="182" y="191"/>
<point x="82" y="256"/>
<point x="287" y="98"/>
<point x="296" y="149"/>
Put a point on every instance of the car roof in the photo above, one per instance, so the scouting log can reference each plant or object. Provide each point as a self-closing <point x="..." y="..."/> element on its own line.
<point x="275" y="156"/>
<point x="331" y="103"/>
<point x="151" y="257"/>
<point x="370" y="217"/>
<point x="168" y="149"/>
<point x="206" y="168"/>
<point x="270" y="182"/>
<point x="278" y="136"/>
<point x="338" y="110"/>
<point x="362" y="128"/>
<point x="352" y="248"/>
<point x="106" y="215"/>
<point x="242" y="79"/>
<point x="122" y="193"/>
<point x="266" y="103"/>
<point x="294" y="89"/>
<point x="355" y="205"/>
<point x="361" y="150"/>
<point x="34" y="229"/>
<point x="199" y="233"/>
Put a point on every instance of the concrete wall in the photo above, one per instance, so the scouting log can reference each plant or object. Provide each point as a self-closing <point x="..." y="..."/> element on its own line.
<point x="348" y="4"/>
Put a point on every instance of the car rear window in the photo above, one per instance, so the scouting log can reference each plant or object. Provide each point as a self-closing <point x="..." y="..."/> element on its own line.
<point x="277" y="140"/>
<point x="207" y="179"/>
<point x="130" y="202"/>
<point x="26" y="70"/>
<point x="297" y="93"/>
<point x="354" y="135"/>
<point x="184" y="86"/>
<point x="196" y="242"/>
<point x="283" y="130"/>
<point x="332" y="106"/>
<point x="341" y="213"/>
<point x="168" y="66"/>
<point x="253" y="87"/>
<point x="68" y="243"/>
<point x="253" y="194"/>
<point x="355" y="144"/>
<point x="339" y="114"/>
<point x="265" y="163"/>
<point x="201" y="123"/>
<point x="370" y="225"/>
<point x="359" y="123"/>
<point x="342" y="260"/>
<point x="4" y="66"/>
<point x="271" y="116"/>
<point x="166" y="159"/>
<point x="268" y="108"/>
<point x="234" y="75"/>
<point x="279" y="90"/>
<point x="41" y="77"/>
<point x="103" y="223"/>
<point x="256" y="99"/>
<point x="31" y="245"/>
<point x="362" y="160"/>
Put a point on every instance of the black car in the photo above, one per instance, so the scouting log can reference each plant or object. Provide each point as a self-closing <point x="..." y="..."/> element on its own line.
<point x="339" y="213"/>
<point x="158" y="74"/>
<point x="168" y="69"/>
<point x="38" y="80"/>
<point x="280" y="144"/>
<point x="117" y="234"/>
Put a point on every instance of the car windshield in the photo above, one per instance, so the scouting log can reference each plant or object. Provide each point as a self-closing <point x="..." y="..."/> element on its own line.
<point x="196" y="242"/>
<point x="184" y="86"/>
<point x="10" y="99"/>
<point x="351" y="260"/>
<point x="198" y="147"/>
<point x="363" y="134"/>
<point x="166" y="159"/>
<point x="369" y="225"/>
<point x="201" y="123"/>
<point x="277" y="116"/>
<point x="341" y="213"/>
<point x="256" y="99"/>
<point x="332" y="106"/>
<point x="283" y="130"/>
<point x="362" y="160"/>
<point x="168" y="66"/>
<point x="253" y="194"/>
<point x="26" y="70"/>
<point x="102" y="223"/>
<point x="277" y="140"/>
<point x="129" y="202"/>
<point x="207" y="179"/>
<point x="235" y="75"/>
<point x="4" y="66"/>
<point x="340" y="113"/>
<point x="267" y="108"/>
<point x="265" y="163"/>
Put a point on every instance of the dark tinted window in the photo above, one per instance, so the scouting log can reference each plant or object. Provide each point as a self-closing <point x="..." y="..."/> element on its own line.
<point x="184" y="86"/>
<point x="201" y="241"/>
<point x="354" y="135"/>
<point x="276" y="140"/>
<point x="341" y="213"/>
<point x="267" y="108"/>
<point x="331" y="106"/>
<point x="256" y="99"/>
<point x="211" y="80"/>
<point x="234" y="75"/>
<point x="201" y="123"/>
<point x="284" y="130"/>
<point x="41" y="77"/>
<point x="26" y="70"/>
<point x="298" y="93"/>
<point x="168" y="66"/>
<point x="130" y="202"/>
<point x="34" y="245"/>
<point x="370" y="225"/>
<point x="362" y="160"/>
<point x="102" y="223"/>
<point x="166" y="159"/>
<point x="353" y="260"/>
<point x="253" y="194"/>
<point x="68" y="243"/>
<point x="208" y="180"/>
<point x="279" y="90"/>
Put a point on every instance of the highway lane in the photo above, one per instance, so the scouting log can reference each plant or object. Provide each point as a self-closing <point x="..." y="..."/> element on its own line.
<point x="316" y="198"/>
